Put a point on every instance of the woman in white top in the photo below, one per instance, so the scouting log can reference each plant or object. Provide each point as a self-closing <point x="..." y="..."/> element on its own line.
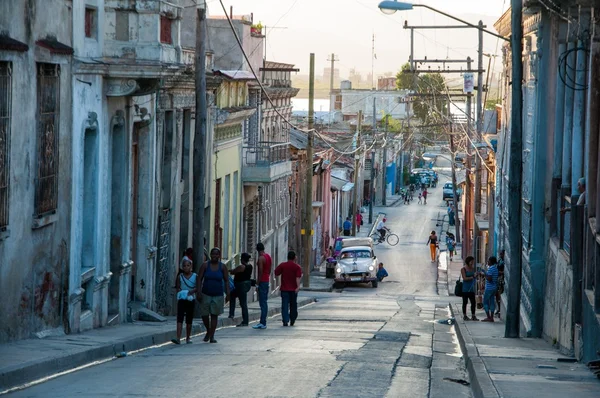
<point x="186" y="286"/>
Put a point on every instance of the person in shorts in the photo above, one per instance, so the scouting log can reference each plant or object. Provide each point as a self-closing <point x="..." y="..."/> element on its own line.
<point x="214" y="278"/>
<point x="186" y="295"/>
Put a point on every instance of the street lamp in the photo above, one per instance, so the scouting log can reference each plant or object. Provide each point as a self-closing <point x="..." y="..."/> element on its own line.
<point x="389" y="7"/>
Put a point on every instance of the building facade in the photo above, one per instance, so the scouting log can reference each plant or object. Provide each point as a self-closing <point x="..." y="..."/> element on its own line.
<point x="35" y="166"/>
<point x="559" y="294"/>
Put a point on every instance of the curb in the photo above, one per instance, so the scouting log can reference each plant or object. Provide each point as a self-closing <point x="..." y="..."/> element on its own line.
<point x="31" y="372"/>
<point x="481" y="383"/>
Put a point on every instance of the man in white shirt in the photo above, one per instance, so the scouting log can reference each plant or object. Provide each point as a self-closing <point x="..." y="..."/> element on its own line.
<point x="382" y="229"/>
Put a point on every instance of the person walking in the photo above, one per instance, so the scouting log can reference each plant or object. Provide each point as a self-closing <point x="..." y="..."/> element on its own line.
<point x="433" y="244"/>
<point x="359" y="221"/>
<point x="420" y="198"/>
<point x="291" y="274"/>
<point x="451" y="246"/>
<point x="425" y="193"/>
<point x="347" y="226"/>
<point x="241" y="281"/>
<point x="468" y="290"/>
<point x="263" y="267"/>
<point x="186" y="294"/>
<point x="214" y="278"/>
<point x="491" y="285"/>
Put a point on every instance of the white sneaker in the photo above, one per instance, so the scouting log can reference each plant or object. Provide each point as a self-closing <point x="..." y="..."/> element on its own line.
<point x="259" y="326"/>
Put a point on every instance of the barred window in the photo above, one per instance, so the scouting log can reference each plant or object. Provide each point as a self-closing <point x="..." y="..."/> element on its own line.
<point x="5" y="105"/>
<point x="48" y="96"/>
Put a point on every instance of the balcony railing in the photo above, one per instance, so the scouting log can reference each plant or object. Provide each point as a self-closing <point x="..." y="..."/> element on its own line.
<point x="265" y="154"/>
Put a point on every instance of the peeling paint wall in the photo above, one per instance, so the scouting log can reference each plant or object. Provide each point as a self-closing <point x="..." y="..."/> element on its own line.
<point x="34" y="263"/>
<point x="558" y="299"/>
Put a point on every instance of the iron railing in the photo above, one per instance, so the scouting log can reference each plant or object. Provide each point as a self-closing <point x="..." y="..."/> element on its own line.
<point x="265" y="154"/>
<point x="46" y="182"/>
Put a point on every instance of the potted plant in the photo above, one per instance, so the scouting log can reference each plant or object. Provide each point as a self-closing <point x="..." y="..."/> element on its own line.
<point x="256" y="29"/>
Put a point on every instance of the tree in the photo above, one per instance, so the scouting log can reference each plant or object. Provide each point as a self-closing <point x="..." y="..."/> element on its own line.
<point x="429" y="107"/>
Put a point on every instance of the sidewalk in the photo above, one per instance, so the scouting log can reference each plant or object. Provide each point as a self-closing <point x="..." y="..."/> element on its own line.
<point x="318" y="281"/>
<point x="524" y="367"/>
<point x="26" y="361"/>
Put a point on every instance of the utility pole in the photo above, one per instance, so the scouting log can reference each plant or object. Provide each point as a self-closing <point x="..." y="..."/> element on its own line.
<point x="515" y="175"/>
<point x="478" y="165"/>
<point x="454" y="192"/>
<point x="468" y="185"/>
<point x="356" y="169"/>
<point x="308" y="231"/>
<point x="384" y="165"/>
<point x="200" y="154"/>
<point x="371" y="186"/>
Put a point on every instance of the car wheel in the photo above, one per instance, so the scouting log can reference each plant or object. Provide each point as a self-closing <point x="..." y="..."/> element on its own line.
<point x="374" y="284"/>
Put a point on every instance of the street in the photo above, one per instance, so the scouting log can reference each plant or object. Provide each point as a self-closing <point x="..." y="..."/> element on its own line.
<point x="356" y="341"/>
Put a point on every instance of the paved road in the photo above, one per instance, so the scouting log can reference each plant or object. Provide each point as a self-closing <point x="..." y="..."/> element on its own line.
<point x="356" y="342"/>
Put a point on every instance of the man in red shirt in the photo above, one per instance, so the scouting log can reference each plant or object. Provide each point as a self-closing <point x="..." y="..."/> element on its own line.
<point x="291" y="273"/>
<point x="263" y="276"/>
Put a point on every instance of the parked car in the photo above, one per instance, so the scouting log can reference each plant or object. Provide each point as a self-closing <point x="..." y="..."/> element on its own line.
<point x="448" y="192"/>
<point x="356" y="264"/>
<point x="340" y="243"/>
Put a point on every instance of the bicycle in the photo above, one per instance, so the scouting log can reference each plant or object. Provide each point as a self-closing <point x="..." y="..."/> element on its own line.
<point x="391" y="238"/>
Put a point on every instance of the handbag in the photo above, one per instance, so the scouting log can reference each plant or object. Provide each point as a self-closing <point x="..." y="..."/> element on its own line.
<point x="458" y="288"/>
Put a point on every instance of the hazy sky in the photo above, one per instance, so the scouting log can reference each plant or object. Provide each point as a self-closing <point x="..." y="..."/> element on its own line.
<point x="345" y="27"/>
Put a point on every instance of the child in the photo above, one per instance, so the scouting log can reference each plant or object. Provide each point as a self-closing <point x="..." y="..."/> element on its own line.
<point x="420" y="197"/>
<point x="186" y="286"/>
<point x="450" y="245"/>
<point x="381" y="273"/>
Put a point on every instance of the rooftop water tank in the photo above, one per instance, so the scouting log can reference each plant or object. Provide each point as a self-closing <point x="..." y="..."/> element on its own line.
<point x="346" y="85"/>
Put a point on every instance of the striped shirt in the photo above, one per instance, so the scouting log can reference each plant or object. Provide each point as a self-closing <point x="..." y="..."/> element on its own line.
<point x="493" y="272"/>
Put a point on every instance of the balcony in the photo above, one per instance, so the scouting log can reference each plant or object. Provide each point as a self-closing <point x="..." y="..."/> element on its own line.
<point x="266" y="162"/>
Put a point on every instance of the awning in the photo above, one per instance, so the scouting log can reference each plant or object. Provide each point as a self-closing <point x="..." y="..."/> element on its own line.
<point x="482" y="221"/>
<point x="337" y="183"/>
<point x="54" y="46"/>
<point x="348" y="187"/>
<point x="7" y="43"/>
<point x="236" y="74"/>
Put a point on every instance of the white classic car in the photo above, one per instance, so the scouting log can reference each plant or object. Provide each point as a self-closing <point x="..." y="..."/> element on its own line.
<point x="356" y="264"/>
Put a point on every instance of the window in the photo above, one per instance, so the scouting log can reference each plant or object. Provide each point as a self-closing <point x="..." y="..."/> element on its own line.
<point x="48" y="97"/>
<point x="5" y="105"/>
<point x="122" y="25"/>
<point x="90" y="23"/>
<point x="165" y="30"/>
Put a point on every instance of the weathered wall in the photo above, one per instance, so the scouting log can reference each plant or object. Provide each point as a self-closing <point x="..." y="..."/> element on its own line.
<point x="558" y="298"/>
<point x="34" y="263"/>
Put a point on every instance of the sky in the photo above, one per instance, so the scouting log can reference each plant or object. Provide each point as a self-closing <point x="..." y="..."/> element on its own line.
<point x="346" y="28"/>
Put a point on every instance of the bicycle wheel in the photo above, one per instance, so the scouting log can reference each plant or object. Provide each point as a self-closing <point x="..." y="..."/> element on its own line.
<point x="375" y="239"/>
<point x="392" y="239"/>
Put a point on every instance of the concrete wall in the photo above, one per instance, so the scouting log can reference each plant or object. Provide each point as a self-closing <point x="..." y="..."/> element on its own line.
<point x="227" y="53"/>
<point x="34" y="263"/>
<point x="558" y="299"/>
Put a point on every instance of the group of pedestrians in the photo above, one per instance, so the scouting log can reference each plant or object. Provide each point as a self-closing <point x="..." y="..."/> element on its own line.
<point x="212" y="288"/>
<point x="493" y="287"/>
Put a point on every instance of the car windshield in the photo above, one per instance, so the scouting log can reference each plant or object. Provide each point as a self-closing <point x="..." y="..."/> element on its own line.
<point x="448" y="185"/>
<point x="357" y="254"/>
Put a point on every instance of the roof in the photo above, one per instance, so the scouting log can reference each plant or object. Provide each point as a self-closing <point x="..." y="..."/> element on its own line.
<point x="54" y="46"/>
<point x="236" y="74"/>
<point x="7" y="43"/>
<point x="298" y="139"/>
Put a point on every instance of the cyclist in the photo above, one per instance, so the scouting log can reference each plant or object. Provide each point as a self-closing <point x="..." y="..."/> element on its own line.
<point x="382" y="229"/>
